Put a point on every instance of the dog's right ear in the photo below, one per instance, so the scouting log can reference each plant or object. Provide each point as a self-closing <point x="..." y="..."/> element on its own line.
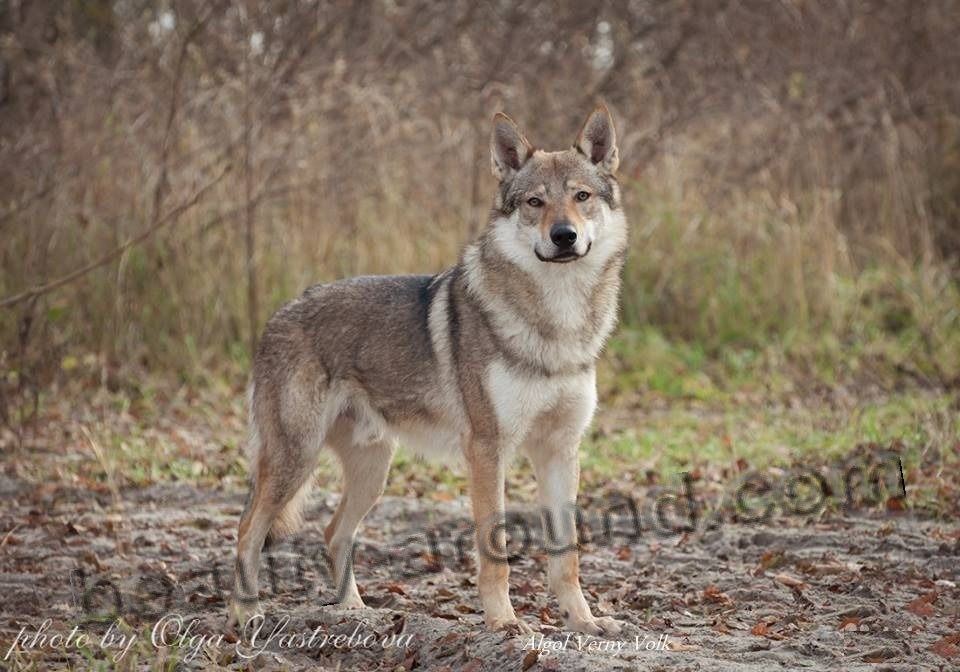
<point x="509" y="150"/>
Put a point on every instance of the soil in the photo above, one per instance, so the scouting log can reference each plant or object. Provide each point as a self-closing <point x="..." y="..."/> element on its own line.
<point x="852" y="592"/>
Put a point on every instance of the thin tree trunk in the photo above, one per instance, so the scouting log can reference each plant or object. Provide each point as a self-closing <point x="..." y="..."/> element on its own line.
<point x="477" y="216"/>
<point x="249" y="212"/>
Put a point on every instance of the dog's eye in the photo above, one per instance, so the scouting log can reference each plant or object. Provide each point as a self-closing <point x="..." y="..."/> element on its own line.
<point x="583" y="195"/>
<point x="534" y="202"/>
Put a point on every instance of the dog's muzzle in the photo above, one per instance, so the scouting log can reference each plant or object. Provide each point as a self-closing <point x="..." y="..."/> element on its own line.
<point x="563" y="256"/>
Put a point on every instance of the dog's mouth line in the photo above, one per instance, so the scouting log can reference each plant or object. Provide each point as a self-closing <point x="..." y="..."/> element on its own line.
<point x="563" y="257"/>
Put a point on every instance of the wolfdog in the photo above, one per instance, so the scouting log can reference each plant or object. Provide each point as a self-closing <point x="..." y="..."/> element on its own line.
<point x="493" y="356"/>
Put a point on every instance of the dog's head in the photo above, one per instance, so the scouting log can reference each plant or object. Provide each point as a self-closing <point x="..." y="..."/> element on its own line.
<point x="554" y="206"/>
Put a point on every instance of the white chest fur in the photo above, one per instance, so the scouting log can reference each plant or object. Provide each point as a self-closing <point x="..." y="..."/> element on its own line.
<point x="520" y="400"/>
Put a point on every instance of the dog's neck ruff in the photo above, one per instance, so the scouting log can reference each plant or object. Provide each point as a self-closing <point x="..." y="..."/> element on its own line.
<point x="545" y="319"/>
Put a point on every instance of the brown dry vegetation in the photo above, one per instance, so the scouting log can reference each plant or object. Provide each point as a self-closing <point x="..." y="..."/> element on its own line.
<point x="792" y="170"/>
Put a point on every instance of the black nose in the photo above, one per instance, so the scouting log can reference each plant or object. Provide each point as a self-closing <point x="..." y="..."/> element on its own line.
<point x="563" y="235"/>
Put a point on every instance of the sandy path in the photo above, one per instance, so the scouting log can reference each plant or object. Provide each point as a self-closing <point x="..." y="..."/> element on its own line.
<point x="844" y="592"/>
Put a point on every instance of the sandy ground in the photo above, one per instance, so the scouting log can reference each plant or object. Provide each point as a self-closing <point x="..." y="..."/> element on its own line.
<point x="847" y="592"/>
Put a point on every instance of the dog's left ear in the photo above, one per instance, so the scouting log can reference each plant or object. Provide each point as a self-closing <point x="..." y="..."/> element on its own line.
<point x="597" y="140"/>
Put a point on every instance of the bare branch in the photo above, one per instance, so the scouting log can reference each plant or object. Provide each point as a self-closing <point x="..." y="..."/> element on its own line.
<point x="169" y="218"/>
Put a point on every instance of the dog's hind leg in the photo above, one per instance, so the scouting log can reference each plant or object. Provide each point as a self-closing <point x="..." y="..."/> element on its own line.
<point x="282" y="474"/>
<point x="365" y="470"/>
<point x="255" y="523"/>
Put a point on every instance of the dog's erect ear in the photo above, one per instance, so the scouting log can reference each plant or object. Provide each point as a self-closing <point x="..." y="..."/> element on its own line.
<point x="509" y="150"/>
<point x="598" y="141"/>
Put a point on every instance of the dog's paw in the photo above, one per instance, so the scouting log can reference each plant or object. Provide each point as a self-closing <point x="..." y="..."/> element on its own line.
<point x="346" y="602"/>
<point x="510" y="626"/>
<point x="351" y="602"/>
<point x="241" y="611"/>
<point x="591" y="625"/>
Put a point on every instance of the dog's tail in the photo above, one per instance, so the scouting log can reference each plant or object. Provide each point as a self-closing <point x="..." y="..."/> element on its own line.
<point x="290" y="518"/>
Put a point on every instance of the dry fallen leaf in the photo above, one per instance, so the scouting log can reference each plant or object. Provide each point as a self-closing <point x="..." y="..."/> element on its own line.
<point x="712" y="594"/>
<point x="947" y="647"/>
<point x="922" y="605"/>
<point x="675" y="645"/>
<point x="895" y="504"/>
<point x="398" y="589"/>
<point x="397" y="627"/>
<point x="772" y="559"/>
<point x="790" y="581"/>
<point x="762" y="629"/>
<point x="444" y="595"/>
<point x="547" y="617"/>
<point x="530" y="659"/>
<point x="849" y="623"/>
<point x="526" y="588"/>
<point x="412" y="661"/>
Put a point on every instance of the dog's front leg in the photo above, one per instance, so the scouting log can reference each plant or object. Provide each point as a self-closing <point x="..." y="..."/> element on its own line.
<point x="485" y="463"/>
<point x="556" y="465"/>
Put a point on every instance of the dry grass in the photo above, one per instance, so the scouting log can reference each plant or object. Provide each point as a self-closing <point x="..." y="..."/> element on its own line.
<point x="779" y="226"/>
<point x="750" y="274"/>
